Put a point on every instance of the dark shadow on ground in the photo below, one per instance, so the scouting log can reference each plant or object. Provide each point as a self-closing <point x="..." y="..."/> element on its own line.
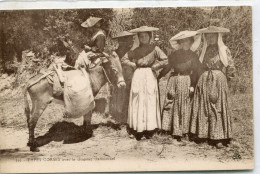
<point x="18" y="153"/>
<point x="69" y="133"/>
<point x="64" y="131"/>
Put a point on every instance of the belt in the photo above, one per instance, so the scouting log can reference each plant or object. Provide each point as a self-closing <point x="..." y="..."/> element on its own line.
<point x="178" y="73"/>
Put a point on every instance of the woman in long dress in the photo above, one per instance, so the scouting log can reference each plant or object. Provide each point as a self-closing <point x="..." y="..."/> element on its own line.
<point x="185" y="70"/>
<point x="144" y="108"/>
<point x="211" y="118"/>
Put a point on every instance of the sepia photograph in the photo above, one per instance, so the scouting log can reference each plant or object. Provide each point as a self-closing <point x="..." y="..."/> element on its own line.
<point x="126" y="89"/>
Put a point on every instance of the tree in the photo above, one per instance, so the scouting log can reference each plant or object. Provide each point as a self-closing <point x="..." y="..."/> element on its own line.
<point x="41" y="31"/>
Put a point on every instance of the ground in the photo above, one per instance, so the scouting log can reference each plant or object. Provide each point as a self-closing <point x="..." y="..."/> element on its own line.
<point x="65" y="139"/>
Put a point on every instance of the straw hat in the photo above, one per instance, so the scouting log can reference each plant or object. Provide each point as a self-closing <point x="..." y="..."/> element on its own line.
<point x="144" y="29"/>
<point x="123" y="34"/>
<point x="214" y="29"/>
<point x="90" y="22"/>
<point x="185" y="34"/>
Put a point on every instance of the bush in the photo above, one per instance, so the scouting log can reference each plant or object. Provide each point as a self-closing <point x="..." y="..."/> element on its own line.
<point x="170" y="21"/>
<point x="41" y="32"/>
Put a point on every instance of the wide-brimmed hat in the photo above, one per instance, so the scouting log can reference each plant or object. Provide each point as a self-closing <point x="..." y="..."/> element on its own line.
<point x="182" y="35"/>
<point x="213" y="29"/>
<point x="90" y="22"/>
<point x="123" y="34"/>
<point x="144" y="29"/>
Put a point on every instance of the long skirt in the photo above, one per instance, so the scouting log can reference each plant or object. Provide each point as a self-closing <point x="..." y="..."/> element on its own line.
<point x="177" y="106"/>
<point x="211" y="117"/>
<point x="144" y="107"/>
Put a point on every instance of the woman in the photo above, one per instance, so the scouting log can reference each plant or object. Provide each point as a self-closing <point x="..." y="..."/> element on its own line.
<point x="96" y="44"/>
<point x="118" y="105"/>
<point x="211" y="118"/>
<point x="144" y="108"/>
<point x="186" y="70"/>
<point x="98" y="37"/>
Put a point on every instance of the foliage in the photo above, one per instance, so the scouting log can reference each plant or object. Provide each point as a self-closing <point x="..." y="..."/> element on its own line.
<point x="41" y="31"/>
<point x="170" y="21"/>
<point x="239" y="40"/>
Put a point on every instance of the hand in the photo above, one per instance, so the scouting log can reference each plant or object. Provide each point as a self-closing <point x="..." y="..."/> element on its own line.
<point x="133" y="65"/>
<point x="87" y="48"/>
<point x="191" y="89"/>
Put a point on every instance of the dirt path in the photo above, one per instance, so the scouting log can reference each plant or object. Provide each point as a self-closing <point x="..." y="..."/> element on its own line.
<point x="64" y="139"/>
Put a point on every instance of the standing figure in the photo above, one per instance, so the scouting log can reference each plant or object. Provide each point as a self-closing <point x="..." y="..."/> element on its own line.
<point x="185" y="70"/>
<point x="118" y="105"/>
<point x="211" y="118"/>
<point x="144" y="115"/>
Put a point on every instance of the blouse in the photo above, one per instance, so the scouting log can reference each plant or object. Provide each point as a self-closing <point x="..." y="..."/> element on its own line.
<point x="184" y="62"/>
<point x="146" y="56"/>
<point x="212" y="61"/>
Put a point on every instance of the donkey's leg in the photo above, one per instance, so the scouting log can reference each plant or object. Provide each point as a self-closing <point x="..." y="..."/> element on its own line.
<point x="109" y="89"/>
<point x="37" y="110"/>
<point x="87" y="123"/>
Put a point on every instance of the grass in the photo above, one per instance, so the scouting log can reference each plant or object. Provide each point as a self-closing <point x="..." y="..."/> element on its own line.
<point x="241" y="105"/>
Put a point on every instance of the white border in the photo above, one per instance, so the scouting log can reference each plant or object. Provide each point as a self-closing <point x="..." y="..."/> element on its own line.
<point x="73" y="4"/>
<point x="113" y="4"/>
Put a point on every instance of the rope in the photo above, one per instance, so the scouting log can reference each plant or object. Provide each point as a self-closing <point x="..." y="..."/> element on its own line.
<point x="42" y="77"/>
<point x="106" y="75"/>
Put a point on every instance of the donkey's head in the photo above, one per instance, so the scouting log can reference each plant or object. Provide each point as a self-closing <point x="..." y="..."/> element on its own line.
<point x="113" y="70"/>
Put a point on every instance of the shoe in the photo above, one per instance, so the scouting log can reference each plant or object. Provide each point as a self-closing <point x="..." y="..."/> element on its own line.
<point x="138" y="136"/>
<point x="131" y="136"/>
<point x="185" y="137"/>
<point x="219" y="145"/>
<point x="148" y="135"/>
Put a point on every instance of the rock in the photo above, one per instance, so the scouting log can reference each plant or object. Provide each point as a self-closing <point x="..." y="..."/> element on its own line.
<point x="4" y="76"/>
<point x="235" y="144"/>
<point x="5" y="86"/>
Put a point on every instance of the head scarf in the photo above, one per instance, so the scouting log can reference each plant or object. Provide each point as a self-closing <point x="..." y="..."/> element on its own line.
<point x="221" y="49"/>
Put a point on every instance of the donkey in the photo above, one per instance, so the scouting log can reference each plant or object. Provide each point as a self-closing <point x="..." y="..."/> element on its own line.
<point x="41" y="93"/>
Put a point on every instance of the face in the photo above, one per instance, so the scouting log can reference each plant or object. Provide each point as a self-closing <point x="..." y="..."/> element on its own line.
<point x="127" y="41"/>
<point x="211" y="38"/>
<point x="186" y="43"/>
<point x="144" y="38"/>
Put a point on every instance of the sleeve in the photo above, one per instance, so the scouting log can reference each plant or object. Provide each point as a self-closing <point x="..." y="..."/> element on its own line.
<point x="160" y="54"/>
<point x="100" y="42"/>
<point x="197" y="70"/>
<point x="127" y="61"/>
<point x="231" y="70"/>
<point x="161" y="59"/>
